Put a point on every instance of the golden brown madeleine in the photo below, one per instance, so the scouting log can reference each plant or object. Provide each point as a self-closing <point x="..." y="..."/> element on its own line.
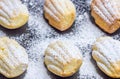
<point x="60" y="13"/>
<point x="13" y="14"/>
<point x="63" y="58"/>
<point x="106" y="14"/>
<point x="13" y="58"/>
<point x="106" y="52"/>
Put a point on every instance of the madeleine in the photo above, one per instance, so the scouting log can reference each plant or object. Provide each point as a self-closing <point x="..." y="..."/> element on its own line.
<point x="63" y="58"/>
<point x="13" y="14"/>
<point x="13" y="58"/>
<point x="60" y="13"/>
<point x="106" y="53"/>
<point x="106" y="14"/>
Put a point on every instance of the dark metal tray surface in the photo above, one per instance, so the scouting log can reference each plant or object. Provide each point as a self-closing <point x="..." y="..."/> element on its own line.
<point x="37" y="33"/>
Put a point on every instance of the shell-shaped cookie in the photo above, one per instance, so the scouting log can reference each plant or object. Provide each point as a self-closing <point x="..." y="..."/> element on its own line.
<point x="60" y="13"/>
<point x="106" y="14"/>
<point x="63" y="58"/>
<point x="13" y="58"/>
<point x="106" y="52"/>
<point x="13" y="14"/>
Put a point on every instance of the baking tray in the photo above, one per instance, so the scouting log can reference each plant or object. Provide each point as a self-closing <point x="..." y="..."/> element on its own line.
<point x="37" y="33"/>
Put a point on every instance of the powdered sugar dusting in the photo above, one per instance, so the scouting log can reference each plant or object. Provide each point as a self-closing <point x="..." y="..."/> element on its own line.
<point x="82" y="31"/>
<point x="37" y="34"/>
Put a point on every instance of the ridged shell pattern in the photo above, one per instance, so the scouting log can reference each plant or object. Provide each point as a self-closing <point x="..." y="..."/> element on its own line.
<point x="108" y="11"/>
<point x="13" y="58"/>
<point x="106" y="52"/>
<point x="13" y="14"/>
<point x="63" y="58"/>
<point x="60" y="13"/>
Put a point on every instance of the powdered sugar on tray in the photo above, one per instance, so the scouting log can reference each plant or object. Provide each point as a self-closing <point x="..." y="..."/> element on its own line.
<point x="37" y="34"/>
<point x="83" y="34"/>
